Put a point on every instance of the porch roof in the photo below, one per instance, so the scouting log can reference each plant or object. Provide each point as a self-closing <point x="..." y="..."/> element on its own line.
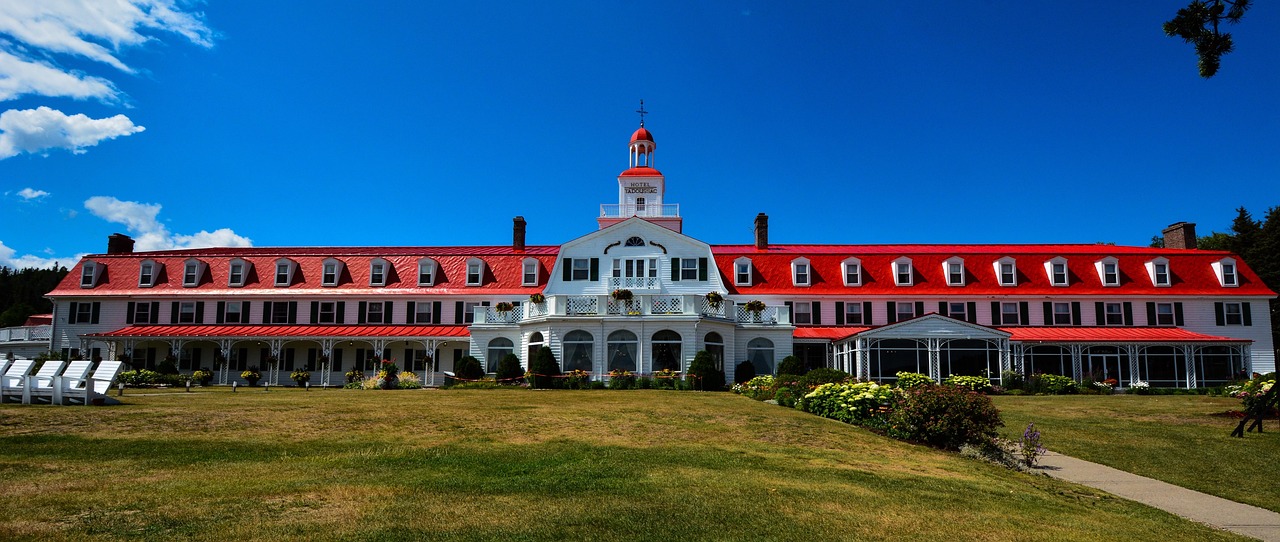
<point x="1114" y="334"/>
<point x="206" y="331"/>
<point x="830" y="333"/>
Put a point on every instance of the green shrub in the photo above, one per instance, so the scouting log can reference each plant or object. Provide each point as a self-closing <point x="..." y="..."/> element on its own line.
<point x="945" y="417"/>
<point x="665" y="379"/>
<point x="621" y="380"/>
<point x="743" y="372"/>
<point x="138" y="378"/>
<point x="1051" y="384"/>
<point x="785" y="396"/>
<point x="820" y="376"/>
<point x="1013" y="380"/>
<point x="202" y="376"/>
<point x="863" y="403"/>
<point x="167" y="366"/>
<point x="793" y="366"/>
<point x="760" y="388"/>
<point x="644" y="383"/>
<point x="703" y="374"/>
<point x="509" y="370"/>
<point x="597" y="385"/>
<point x="577" y="380"/>
<point x="409" y="381"/>
<point x="355" y="376"/>
<point x="469" y="368"/>
<point x="980" y="384"/>
<point x="908" y="380"/>
<point x="544" y="369"/>
<point x="477" y="385"/>
<point x="786" y="379"/>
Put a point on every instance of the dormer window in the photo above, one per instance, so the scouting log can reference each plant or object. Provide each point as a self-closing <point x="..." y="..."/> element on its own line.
<point x="378" y="272"/>
<point x="237" y="272"/>
<point x="284" y="272"/>
<point x="330" y="271"/>
<point x="1109" y="271"/>
<point x="902" y="272"/>
<point x="1158" y="270"/>
<point x="1057" y="271"/>
<point x="529" y="272"/>
<point x="426" y="272"/>
<point x="148" y="273"/>
<point x="852" y="272"/>
<point x="1228" y="274"/>
<point x="475" y="271"/>
<point x="192" y="270"/>
<point x="954" y="269"/>
<point x="1007" y="271"/>
<point x="89" y="274"/>
<point x="742" y="272"/>
<point x="800" y="272"/>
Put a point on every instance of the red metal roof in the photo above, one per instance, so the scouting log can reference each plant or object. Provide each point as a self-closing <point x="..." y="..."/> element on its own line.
<point x="1112" y="334"/>
<point x="641" y="171"/>
<point x="828" y="332"/>
<point x="286" y="331"/>
<point x="641" y="134"/>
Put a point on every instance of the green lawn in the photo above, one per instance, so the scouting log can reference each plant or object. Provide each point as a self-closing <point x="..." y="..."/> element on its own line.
<point x="514" y="465"/>
<point x="1174" y="438"/>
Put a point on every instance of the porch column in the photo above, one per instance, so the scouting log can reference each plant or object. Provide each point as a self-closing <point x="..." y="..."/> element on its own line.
<point x="1189" y="353"/>
<point x="273" y="372"/>
<point x="1006" y="359"/>
<point x="1077" y="369"/>
<point x="864" y="359"/>
<point x="326" y="354"/>
<point x="1133" y="363"/>
<point x="224" y="360"/>
<point x="1246" y="359"/>
<point x="935" y="359"/>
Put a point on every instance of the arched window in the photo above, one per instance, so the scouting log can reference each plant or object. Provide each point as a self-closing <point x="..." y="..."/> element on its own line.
<point x="760" y="354"/>
<point x="578" y="345"/>
<point x="535" y="343"/>
<point x="498" y="349"/>
<point x="666" y="350"/>
<point x="622" y="351"/>
<point x="634" y="242"/>
<point x="713" y="343"/>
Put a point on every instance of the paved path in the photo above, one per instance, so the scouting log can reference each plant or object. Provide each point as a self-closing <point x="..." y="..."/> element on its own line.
<point x="1230" y="515"/>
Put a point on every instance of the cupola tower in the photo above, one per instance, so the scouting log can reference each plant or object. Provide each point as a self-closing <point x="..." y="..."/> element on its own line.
<point x="641" y="187"/>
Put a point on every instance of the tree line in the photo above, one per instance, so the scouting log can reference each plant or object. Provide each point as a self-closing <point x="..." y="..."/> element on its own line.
<point x="22" y="293"/>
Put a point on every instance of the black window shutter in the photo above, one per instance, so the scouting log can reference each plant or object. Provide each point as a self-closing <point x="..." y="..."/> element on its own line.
<point x="1024" y="313"/>
<point x="199" y="312"/>
<point x="388" y="312"/>
<point x="791" y="309"/>
<point x="71" y="316"/>
<point x="973" y="312"/>
<point x="1219" y="317"/>
<point x="457" y="312"/>
<point x="173" y="313"/>
<point x="893" y="311"/>
<point x="817" y="313"/>
<point x="266" y="313"/>
<point x="97" y="307"/>
<point x="839" y="313"/>
<point x="942" y="308"/>
<point x="702" y="269"/>
<point x="435" y="312"/>
<point x="155" y="312"/>
<point x="566" y="269"/>
<point x="866" y="313"/>
<point x="128" y="313"/>
<point x="221" y="316"/>
<point x="675" y="269"/>
<point x="1075" y="313"/>
<point x="293" y="312"/>
<point x="1128" y="313"/>
<point x="595" y="269"/>
<point x="1100" y="313"/>
<point x="1048" y="313"/>
<point x="996" y="318"/>
<point x="1177" y="313"/>
<point x="1151" y="313"/>
<point x="919" y="309"/>
<point x="315" y="311"/>
<point x="1244" y="310"/>
<point x="342" y="312"/>
<point x="410" y="314"/>
<point x="360" y="312"/>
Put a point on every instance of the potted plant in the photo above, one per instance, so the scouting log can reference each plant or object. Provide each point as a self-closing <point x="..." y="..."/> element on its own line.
<point x="537" y="298"/>
<point x="252" y="376"/>
<point x="355" y="376"/>
<point x="622" y="294"/>
<point x="388" y="375"/>
<point x="504" y="306"/>
<point x="714" y="300"/>
<point x="203" y="376"/>
<point x="322" y="362"/>
<point x="300" y="377"/>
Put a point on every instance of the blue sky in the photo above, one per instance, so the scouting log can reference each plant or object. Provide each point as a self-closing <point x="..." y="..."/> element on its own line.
<point x="330" y="123"/>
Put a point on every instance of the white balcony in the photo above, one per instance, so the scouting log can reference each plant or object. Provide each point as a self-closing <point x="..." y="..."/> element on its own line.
<point x="641" y="305"/>
<point x="25" y="333"/>
<point x="615" y="210"/>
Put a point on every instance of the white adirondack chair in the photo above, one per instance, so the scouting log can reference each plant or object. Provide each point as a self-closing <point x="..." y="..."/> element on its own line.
<point x="14" y="379"/>
<point x="4" y="365"/>
<point x="73" y="376"/>
<point x="41" y="383"/>
<point x="96" y="387"/>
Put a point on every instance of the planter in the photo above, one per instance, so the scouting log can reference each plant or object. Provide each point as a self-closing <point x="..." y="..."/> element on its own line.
<point x="389" y="383"/>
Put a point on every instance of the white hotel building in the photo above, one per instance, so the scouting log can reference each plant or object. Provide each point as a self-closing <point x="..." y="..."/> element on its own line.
<point x="1174" y="317"/>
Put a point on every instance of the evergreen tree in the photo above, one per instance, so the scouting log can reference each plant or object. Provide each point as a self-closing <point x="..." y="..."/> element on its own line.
<point x="544" y="367"/>
<point x="1198" y="23"/>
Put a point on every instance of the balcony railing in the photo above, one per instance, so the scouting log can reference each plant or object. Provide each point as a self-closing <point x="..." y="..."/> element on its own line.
<point x="658" y="305"/>
<point x="633" y="283"/>
<point x="25" y="333"/>
<point x="615" y="210"/>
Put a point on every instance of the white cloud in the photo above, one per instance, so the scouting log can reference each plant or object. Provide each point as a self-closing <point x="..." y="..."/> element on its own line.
<point x="8" y="259"/>
<point x="150" y="234"/>
<point x="31" y="193"/>
<point x="22" y="76"/>
<point x="40" y="129"/>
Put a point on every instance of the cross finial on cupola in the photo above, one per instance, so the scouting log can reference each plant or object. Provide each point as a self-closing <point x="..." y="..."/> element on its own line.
<point x="642" y="112"/>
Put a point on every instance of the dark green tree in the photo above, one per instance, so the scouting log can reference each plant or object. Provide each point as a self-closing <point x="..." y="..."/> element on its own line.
<point x="544" y="368"/>
<point x="509" y="370"/>
<point x="703" y="374"/>
<point x="1199" y="22"/>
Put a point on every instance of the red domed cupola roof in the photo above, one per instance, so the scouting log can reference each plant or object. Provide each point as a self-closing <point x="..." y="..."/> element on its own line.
<point x="641" y="134"/>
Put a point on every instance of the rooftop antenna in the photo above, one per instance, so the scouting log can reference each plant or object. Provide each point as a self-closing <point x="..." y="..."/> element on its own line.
<point x="642" y="112"/>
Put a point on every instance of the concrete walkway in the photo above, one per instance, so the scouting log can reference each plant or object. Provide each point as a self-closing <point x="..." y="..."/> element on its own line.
<point x="1230" y="515"/>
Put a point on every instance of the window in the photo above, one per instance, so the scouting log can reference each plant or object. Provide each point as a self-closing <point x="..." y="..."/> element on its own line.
<point x="760" y="354"/>
<point x="236" y="274"/>
<point x="1061" y="314"/>
<point x="88" y="274"/>
<point x="1057" y="271"/>
<point x="475" y="272"/>
<point x="853" y="313"/>
<point x="639" y="205"/>
<point x="803" y="312"/>
<point x="469" y="311"/>
<point x="906" y="310"/>
<point x="1007" y="271"/>
<point x="1114" y="314"/>
<point x="327" y="313"/>
<point x="378" y="273"/>
<point x="1164" y="314"/>
<point x="233" y="313"/>
<point x="499" y="348"/>
<point x="329" y="276"/>
<point x="1229" y="274"/>
<point x="959" y="311"/>
<point x="582" y="268"/>
<point x="146" y="274"/>
<point x="713" y="343"/>
<point x="621" y="351"/>
<point x="1009" y="315"/>
<point x="1109" y="271"/>
<point x="578" y="348"/>
<point x="666" y="350"/>
<point x="374" y="315"/>
<point x="954" y="269"/>
<point x="852" y="272"/>
<point x="742" y="272"/>
<point x="422" y="312"/>
<point x="1160" y="273"/>
<point x="84" y="312"/>
<point x="284" y="272"/>
<point x="634" y="241"/>
<point x="688" y="269"/>
<point x="530" y="272"/>
<point x="280" y="312"/>
<point x="902" y="273"/>
<point x="187" y="312"/>
<point x="425" y="272"/>
<point x="1232" y="312"/>
<point x="191" y="274"/>
<point x="142" y="314"/>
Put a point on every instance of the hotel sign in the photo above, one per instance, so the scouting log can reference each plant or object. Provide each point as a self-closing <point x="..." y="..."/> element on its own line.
<point x="640" y="188"/>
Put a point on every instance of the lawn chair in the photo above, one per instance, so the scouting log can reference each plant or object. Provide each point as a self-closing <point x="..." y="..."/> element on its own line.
<point x="42" y="382"/>
<point x="96" y="387"/>
<point x="73" y="377"/>
<point x="14" y="379"/>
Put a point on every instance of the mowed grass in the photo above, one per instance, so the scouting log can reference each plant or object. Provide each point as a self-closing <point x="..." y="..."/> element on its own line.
<point x="513" y="465"/>
<point x="1174" y="438"/>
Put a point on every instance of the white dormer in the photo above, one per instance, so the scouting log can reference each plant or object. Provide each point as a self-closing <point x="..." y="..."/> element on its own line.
<point x="192" y="270"/>
<point x="331" y="271"/>
<point x="90" y="273"/>
<point x="426" y="272"/>
<point x="1006" y="269"/>
<point x="852" y="270"/>
<point x="1056" y="270"/>
<point x="1227" y="272"/>
<point x="1158" y="272"/>
<point x="475" y="271"/>
<point x="801" y="272"/>
<point x="284" y="272"/>
<point x="903" y="272"/>
<point x="1108" y="271"/>
<point x="953" y="270"/>
<point x="238" y="272"/>
<point x="379" y="269"/>
<point x="530" y="273"/>
<point x="742" y="271"/>
<point x="148" y="273"/>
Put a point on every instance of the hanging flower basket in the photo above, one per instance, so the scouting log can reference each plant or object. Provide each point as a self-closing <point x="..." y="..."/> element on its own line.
<point x="715" y="300"/>
<point x="622" y="294"/>
<point x="755" y="306"/>
<point x="538" y="299"/>
<point x="504" y="307"/>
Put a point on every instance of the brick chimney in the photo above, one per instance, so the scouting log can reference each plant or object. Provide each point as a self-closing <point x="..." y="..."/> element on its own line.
<point x="1180" y="235"/>
<point x="119" y="243"/>
<point x="517" y="234"/>
<point x="762" y="231"/>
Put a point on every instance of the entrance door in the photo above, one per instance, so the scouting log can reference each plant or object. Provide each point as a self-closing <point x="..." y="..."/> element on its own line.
<point x="1103" y="366"/>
